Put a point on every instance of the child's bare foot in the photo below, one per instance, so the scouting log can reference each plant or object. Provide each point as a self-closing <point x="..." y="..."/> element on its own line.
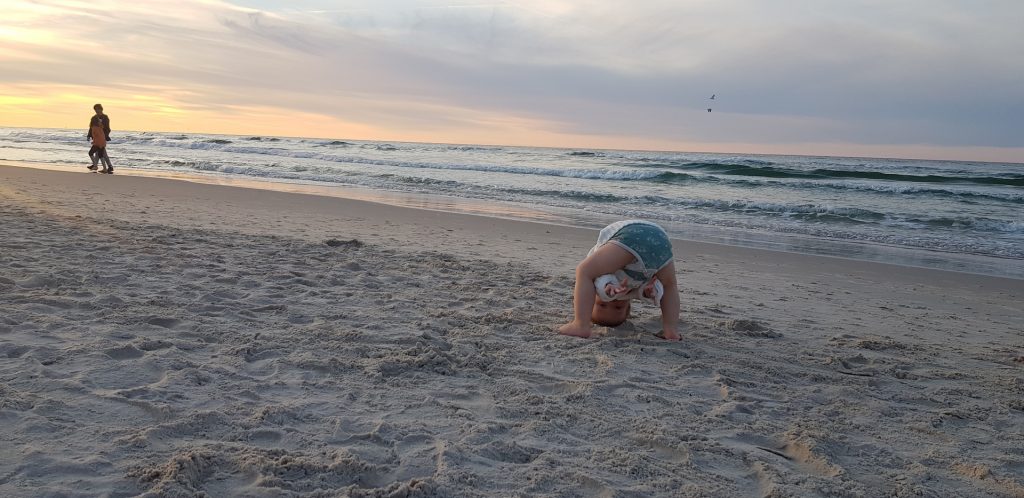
<point x="669" y="336"/>
<point x="574" y="329"/>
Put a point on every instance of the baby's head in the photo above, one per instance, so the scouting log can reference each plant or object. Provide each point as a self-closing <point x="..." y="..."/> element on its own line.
<point x="610" y="313"/>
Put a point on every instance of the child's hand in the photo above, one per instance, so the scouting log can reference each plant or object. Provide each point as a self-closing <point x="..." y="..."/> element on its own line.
<point x="575" y="329"/>
<point x="649" y="289"/>
<point x="615" y="289"/>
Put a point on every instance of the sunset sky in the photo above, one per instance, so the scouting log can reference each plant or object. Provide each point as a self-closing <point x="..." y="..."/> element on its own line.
<point x="940" y="79"/>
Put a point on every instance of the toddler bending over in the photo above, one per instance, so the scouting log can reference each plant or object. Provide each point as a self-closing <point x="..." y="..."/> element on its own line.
<point x="632" y="259"/>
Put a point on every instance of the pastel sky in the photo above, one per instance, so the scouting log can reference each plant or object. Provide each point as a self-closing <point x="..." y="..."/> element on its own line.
<point x="940" y="79"/>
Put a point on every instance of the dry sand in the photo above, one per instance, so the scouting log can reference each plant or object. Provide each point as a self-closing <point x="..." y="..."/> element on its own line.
<point x="170" y="338"/>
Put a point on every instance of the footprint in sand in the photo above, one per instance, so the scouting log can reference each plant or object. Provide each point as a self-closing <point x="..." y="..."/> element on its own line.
<point x="750" y="328"/>
<point x="509" y="452"/>
<point x="124" y="353"/>
<point x="167" y="323"/>
<point x="39" y="281"/>
<point x="154" y="345"/>
<point x="791" y="452"/>
<point x="737" y="412"/>
<point x="300" y="319"/>
<point x="856" y="365"/>
<point x="13" y="351"/>
<point x="559" y="388"/>
<point x="265" y="436"/>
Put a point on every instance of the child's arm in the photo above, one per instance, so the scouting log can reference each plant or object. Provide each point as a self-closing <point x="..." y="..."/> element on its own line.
<point x="606" y="259"/>
<point x="669" y="302"/>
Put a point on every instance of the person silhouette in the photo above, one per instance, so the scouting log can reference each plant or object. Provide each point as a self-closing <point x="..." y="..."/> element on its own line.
<point x="99" y="134"/>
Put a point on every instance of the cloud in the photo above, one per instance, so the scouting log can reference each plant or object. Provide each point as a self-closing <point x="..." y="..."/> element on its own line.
<point x="920" y="72"/>
<point x="946" y="73"/>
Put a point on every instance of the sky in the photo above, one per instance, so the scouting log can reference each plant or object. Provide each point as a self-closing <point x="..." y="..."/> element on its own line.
<point x="933" y="79"/>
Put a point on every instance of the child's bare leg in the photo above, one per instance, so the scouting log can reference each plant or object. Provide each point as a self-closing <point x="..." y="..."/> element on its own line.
<point x="607" y="259"/>
<point x="669" y="303"/>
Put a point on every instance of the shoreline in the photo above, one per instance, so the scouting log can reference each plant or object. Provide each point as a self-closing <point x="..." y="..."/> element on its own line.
<point x="173" y="338"/>
<point x="856" y="251"/>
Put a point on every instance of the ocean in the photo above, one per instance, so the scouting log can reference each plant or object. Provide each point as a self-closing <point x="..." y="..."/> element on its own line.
<point x="953" y="215"/>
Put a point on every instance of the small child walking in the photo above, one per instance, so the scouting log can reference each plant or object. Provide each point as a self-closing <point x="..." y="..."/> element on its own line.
<point x="632" y="259"/>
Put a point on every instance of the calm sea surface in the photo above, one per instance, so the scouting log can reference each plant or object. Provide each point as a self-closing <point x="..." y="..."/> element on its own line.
<point x="966" y="216"/>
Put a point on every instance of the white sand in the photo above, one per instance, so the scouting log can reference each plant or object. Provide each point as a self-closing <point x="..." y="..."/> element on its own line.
<point x="172" y="338"/>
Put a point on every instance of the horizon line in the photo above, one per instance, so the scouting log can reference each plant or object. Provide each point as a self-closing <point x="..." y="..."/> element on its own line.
<point x="843" y="156"/>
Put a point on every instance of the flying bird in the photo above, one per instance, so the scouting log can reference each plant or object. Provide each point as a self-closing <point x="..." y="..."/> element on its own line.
<point x="712" y="96"/>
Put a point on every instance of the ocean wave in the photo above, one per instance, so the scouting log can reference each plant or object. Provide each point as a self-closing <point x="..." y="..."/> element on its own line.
<point x="468" y="148"/>
<point x="806" y="211"/>
<point x="882" y="188"/>
<point x="814" y="213"/>
<point x="968" y="223"/>
<point x="1008" y="179"/>
<point x="594" y="174"/>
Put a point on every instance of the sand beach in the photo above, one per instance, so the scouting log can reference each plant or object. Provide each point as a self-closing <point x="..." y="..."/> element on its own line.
<point x="162" y="337"/>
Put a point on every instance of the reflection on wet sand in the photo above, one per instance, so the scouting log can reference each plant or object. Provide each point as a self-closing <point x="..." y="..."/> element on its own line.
<point x="401" y="199"/>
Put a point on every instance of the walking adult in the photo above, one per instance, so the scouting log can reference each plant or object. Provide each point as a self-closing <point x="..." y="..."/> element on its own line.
<point x="99" y="134"/>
